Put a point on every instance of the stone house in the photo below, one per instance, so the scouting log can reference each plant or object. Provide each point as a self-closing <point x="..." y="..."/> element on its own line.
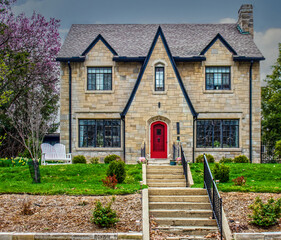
<point x="126" y="85"/>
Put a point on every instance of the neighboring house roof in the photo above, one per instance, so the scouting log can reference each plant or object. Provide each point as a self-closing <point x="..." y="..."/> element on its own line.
<point x="134" y="40"/>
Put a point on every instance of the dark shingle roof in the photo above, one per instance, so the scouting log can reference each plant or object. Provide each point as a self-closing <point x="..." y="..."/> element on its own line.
<point x="134" y="40"/>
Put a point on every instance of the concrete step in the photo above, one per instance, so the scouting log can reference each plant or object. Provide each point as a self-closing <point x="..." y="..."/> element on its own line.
<point x="189" y="230"/>
<point x="167" y="184"/>
<point x="185" y="221"/>
<point x="176" y="198"/>
<point x="179" y="205"/>
<point x="158" y="162"/>
<point x="166" y="167"/>
<point x="187" y="237"/>
<point x="164" y="171"/>
<point x="178" y="191"/>
<point x="167" y="180"/>
<point x="165" y="176"/>
<point x="169" y="213"/>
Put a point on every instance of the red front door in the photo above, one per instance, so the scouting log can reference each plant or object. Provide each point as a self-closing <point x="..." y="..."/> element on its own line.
<point x="158" y="140"/>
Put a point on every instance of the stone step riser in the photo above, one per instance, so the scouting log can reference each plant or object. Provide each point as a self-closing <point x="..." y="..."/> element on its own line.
<point x="180" y="206"/>
<point x="198" y="199"/>
<point x="196" y="232"/>
<point x="186" y="222"/>
<point x="165" y="181"/>
<point x="186" y="191"/>
<point x="178" y="214"/>
<point x="159" y="184"/>
<point x="167" y="176"/>
<point x="165" y="167"/>
<point x="164" y="171"/>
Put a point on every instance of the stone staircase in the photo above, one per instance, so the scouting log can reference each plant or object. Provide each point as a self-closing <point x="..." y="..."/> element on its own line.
<point x="176" y="208"/>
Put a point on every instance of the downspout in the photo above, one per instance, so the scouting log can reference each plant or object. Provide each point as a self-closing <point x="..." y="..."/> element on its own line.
<point x="194" y="120"/>
<point x="124" y="138"/>
<point x="69" y="120"/>
<point x="250" y="123"/>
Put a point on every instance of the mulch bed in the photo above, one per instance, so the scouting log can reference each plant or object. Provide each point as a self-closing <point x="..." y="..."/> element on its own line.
<point x="64" y="214"/>
<point x="236" y="208"/>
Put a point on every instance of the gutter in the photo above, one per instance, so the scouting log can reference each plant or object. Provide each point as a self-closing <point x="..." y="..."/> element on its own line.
<point x="193" y="157"/>
<point x="250" y="105"/>
<point x="124" y="137"/>
<point x="69" y="92"/>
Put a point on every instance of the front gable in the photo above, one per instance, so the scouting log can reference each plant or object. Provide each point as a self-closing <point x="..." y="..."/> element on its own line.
<point x="159" y="52"/>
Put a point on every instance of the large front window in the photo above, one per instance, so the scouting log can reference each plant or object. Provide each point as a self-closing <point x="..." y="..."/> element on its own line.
<point x="99" y="78"/>
<point x="99" y="133"/>
<point x="217" y="78"/>
<point x="217" y="134"/>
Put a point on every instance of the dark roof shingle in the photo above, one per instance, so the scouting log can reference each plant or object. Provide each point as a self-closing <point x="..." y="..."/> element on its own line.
<point x="134" y="40"/>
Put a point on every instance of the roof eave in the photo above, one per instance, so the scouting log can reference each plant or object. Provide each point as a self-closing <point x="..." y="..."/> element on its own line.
<point x="247" y="59"/>
<point x="70" y="59"/>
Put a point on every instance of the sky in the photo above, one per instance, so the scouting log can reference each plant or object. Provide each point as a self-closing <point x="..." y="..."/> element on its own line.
<point x="267" y="17"/>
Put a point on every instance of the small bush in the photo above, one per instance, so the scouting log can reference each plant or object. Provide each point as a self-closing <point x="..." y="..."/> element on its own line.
<point x="221" y="172"/>
<point x="94" y="160"/>
<point x="239" y="181"/>
<point x="265" y="214"/>
<point x="110" y="158"/>
<point x="26" y="208"/>
<point x="79" y="159"/>
<point x="110" y="181"/>
<point x="117" y="168"/>
<point x="277" y="151"/>
<point x="241" y="159"/>
<point x="226" y="160"/>
<point x="104" y="216"/>
<point x="209" y="157"/>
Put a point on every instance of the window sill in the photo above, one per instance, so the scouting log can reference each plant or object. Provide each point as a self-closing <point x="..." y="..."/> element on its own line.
<point x="159" y="92"/>
<point x="218" y="91"/>
<point x="99" y="149"/>
<point x="99" y="91"/>
<point x="218" y="150"/>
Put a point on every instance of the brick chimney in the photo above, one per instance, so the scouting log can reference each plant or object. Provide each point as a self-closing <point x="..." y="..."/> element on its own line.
<point x="245" y="19"/>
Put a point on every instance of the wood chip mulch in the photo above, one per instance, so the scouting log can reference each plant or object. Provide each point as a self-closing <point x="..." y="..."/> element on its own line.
<point x="236" y="208"/>
<point x="64" y="214"/>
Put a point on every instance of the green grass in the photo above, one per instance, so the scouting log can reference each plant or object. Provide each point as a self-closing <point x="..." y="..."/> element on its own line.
<point x="76" y="179"/>
<point x="260" y="177"/>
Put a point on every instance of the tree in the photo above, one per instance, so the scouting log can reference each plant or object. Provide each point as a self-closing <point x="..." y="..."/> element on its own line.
<point x="271" y="105"/>
<point x="29" y="80"/>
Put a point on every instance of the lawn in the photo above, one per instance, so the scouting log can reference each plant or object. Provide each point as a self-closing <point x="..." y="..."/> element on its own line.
<point x="76" y="179"/>
<point x="260" y="177"/>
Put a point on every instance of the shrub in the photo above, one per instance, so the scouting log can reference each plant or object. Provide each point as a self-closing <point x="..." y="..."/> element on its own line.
<point x="117" y="168"/>
<point x="226" y="160"/>
<point x="26" y="208"/>
<point x="110" y="181"/>
<point x="209" y="157"/>
<point x="221" y="172"/>
<point x="104" y="216"/>
<point x="265" y="214"/>
<point x="241" y="159"/>
<point x="79" y="159"/>
<point x="94" y="160"/>
<point x="13" y="162"/>
<point x="239" y="181"/>
<point x="277" y="151"/>
<point x="110" y="158"/>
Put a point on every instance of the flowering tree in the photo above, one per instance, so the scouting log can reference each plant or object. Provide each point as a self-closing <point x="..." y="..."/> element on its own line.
<point x="29" y="82"/>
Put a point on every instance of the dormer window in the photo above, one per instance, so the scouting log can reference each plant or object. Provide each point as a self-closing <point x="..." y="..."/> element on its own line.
<point x="159" y="78"/>
<point x="217" y="78"/>
<point x="99" y="78"/>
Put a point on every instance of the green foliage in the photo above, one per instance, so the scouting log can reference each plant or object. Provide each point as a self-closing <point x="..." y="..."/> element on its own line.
<point x="277" y="151"/>
<point x="241" y="159"/>
<point x="221" y="172"/>
<point x="94" y="160"/>
<point x="13" y="162"/>
<point x="239" y="181"/>
<point x="226" y="160"/>
<point x="68" y="179"/>
<point x="79" y="159"/>
<point x="104" y="217"/>
<point x="110" y="158"/>
<point x="209" y="157"/>
<point x="117" y="168"/>
<point x="265" y="214"/>
<point x="110" y="181"/>
<point x="271" y="107"/>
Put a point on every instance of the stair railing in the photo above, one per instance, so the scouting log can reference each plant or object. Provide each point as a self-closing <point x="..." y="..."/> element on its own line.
<point x="184" y="165"/>
<point x="214" y="196"/>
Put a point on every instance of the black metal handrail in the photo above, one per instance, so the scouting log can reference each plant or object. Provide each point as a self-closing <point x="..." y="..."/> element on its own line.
<point x="143" y="150"/>
<point x="213" y="193"/>
<point x="184" y="165"/>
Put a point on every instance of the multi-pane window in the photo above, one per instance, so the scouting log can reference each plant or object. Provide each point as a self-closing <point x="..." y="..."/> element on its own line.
<point x="99" y="78"/>
<point x="217" y="78"/>
<point x="159" y="79"/>
<point x="99" y="133"/>
<point x="217" y="134"/>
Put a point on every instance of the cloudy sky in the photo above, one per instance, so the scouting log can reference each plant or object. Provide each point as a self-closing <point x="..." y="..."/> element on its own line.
<point x="267" y="17"/>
